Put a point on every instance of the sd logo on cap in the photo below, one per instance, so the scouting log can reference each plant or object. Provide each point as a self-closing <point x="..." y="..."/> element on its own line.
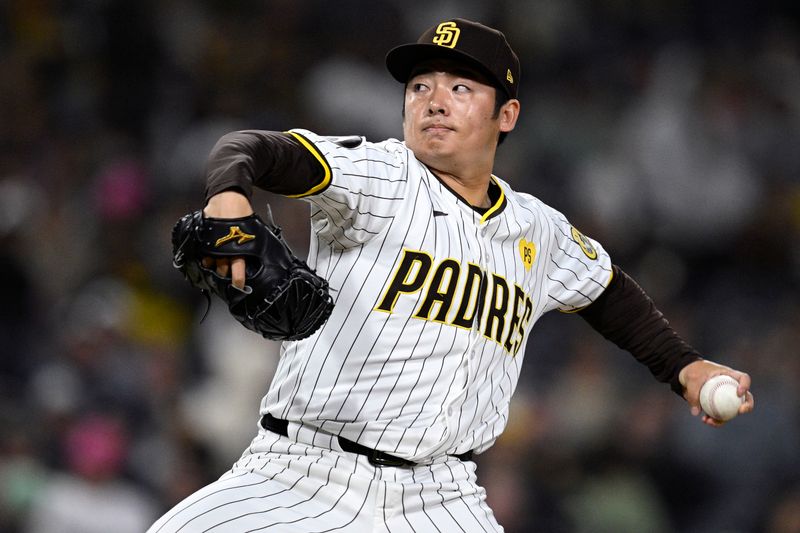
<point x="464" y="40"/>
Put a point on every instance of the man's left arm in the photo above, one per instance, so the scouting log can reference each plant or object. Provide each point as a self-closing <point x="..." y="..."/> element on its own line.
<point x="627" y="316"/>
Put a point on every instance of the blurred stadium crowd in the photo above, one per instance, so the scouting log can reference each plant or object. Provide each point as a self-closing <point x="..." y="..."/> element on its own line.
<point x="668" y="130"/>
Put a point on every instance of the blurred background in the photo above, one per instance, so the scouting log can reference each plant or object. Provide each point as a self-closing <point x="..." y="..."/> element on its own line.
<point x="666" y="129"/>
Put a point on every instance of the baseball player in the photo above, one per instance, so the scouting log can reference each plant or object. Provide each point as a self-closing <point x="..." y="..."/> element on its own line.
<point x="439" y="270"/>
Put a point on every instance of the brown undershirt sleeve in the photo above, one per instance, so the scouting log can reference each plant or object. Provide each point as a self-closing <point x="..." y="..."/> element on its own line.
<point x="273" y="161"/>
<point x="625" y="315"/>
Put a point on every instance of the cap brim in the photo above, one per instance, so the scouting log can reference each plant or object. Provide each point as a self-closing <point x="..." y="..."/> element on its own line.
<point x="400" y="61"/>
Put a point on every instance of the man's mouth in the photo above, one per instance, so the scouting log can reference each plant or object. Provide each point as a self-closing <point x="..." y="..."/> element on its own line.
<point x="434" y="128"/>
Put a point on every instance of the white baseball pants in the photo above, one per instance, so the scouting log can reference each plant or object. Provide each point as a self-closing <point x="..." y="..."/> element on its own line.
<point x="281" y="485"/>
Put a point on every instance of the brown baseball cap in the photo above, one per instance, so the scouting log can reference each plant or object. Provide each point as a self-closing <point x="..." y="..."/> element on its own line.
<point x="481" y="46"/>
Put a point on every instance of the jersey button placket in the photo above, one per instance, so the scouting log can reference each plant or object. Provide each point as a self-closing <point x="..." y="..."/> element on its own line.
<point x="476" y="338"/>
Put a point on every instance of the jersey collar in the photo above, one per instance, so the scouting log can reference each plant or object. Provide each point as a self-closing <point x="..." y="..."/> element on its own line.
<point x="498" y="198"/>
<point x="496" y="195"/>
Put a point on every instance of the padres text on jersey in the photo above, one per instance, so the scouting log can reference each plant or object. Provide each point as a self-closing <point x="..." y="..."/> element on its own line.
<point x="434" y="302"/>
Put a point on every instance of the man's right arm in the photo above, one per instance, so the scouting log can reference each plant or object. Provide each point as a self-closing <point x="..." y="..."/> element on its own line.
<point x="274" y="161"/>
<point x="627" y="316"/>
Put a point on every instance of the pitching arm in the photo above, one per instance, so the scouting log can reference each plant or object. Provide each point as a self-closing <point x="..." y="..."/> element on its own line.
<point x="625" y="315"/>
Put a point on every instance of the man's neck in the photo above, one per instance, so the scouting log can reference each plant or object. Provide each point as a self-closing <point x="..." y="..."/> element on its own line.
<point x="473" y="189"/>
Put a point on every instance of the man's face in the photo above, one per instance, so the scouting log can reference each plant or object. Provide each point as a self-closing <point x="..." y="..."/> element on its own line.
<point x="449" y="116"/>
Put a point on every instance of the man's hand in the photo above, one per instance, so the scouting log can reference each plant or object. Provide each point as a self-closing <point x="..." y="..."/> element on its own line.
<point x="695" y="374"/>
<point x="284" y="299"/>
<point x="228" y="204"/>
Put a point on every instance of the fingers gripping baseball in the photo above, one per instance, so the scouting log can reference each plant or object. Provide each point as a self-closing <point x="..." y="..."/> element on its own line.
<point x="694" y="375"/>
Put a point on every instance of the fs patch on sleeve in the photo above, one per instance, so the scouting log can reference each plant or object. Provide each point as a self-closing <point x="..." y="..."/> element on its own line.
<point x="584" y="242"/>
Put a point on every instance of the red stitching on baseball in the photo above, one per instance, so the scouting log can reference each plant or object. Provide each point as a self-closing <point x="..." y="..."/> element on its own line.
<point x="711" y="395"/>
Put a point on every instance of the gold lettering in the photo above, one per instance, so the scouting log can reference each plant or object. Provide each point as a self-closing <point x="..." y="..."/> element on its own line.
<point x="478" y="291"/>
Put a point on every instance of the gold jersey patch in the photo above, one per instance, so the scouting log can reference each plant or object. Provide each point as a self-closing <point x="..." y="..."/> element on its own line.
<point x="585" y="244"/>
<point x="527" y="252"/>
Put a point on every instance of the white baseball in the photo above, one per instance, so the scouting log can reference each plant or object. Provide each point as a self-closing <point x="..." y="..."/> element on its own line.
<point x="718" y="398"/>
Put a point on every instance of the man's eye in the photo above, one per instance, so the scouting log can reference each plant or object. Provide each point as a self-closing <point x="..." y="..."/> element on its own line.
<point x="460" y="88"/>
<point x="418" y="87"/>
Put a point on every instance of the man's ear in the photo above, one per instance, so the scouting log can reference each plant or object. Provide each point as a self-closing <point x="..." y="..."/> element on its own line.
<point x="509" y="113"/>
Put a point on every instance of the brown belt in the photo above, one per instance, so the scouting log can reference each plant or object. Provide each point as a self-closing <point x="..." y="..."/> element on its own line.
<point x="375" y="457"/>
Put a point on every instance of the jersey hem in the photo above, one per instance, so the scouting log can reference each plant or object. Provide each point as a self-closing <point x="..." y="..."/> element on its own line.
<point x="581" y="308"/>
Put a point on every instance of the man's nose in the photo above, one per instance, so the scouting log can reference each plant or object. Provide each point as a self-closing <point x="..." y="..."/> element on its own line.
<point x="438" y="102"/>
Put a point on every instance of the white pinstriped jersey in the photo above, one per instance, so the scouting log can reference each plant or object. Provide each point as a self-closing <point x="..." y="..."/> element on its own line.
<point x="434" y="302"/>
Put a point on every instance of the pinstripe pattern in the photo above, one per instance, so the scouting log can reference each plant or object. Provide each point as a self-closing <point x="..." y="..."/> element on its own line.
<point x="434" y="304"/>
<point x="413" y="387"/>
<point x="281" y="485"/>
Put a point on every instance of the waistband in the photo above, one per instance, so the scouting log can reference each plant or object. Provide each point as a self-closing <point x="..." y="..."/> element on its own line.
<point x="375" y="457"/>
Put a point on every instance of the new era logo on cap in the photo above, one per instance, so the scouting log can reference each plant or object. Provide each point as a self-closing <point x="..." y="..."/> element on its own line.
<point x="481" y="46"/>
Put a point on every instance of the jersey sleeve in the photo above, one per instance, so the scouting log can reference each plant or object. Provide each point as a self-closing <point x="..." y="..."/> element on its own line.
<point x="579" y="268"/>
<point x="364" y="185"/>
<point x="273" y="161"/>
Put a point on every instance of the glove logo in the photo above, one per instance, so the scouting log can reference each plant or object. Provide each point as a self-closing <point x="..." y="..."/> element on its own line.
<point x="234" y="233"/>
<point x="447" y="34"/>
<point x="285" y="299"/>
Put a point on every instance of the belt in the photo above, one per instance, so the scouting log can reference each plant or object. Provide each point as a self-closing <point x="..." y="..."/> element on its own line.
<point x="375" y="457"/>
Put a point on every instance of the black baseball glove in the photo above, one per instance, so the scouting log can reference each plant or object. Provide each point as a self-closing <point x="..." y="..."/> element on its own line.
<point x="283" y="298"/>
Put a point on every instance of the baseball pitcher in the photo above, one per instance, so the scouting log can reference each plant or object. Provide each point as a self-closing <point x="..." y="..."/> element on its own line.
<point x="425" y="275"/>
